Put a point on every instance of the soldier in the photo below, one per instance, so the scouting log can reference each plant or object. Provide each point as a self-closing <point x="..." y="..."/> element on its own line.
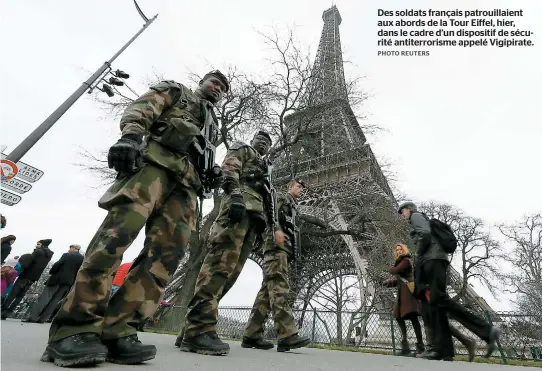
<point x="157" y="187"/>
<point x="275" y="286"/>
<point x="241" y="220"/>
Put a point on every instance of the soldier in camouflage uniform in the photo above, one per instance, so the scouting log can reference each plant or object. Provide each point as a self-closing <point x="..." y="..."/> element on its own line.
<point x="157" y="187"/>
<point x="275" y="286"/>
<point x="242" y="219"/>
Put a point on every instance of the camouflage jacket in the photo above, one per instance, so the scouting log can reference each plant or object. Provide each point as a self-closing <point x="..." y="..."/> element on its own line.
<point x="171" y="117"/>
<point x="240" y="162"/>
<point x="287" y="223"/>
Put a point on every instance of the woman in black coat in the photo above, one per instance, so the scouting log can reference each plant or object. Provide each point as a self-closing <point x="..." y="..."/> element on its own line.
<point x="6" y="246"/>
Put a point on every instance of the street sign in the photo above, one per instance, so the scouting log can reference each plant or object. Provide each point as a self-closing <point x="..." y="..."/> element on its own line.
<point x="9" y="198"/>
<point x="27" y="172"/>
<point x="17" y="185"/>
<point x="8" y="169"/>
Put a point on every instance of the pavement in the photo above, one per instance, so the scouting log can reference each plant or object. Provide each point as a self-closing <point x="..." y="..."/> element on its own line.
<point x="23" y="345"/>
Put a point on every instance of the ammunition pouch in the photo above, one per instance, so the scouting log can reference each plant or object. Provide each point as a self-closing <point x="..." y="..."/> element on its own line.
<point x="169" y="135"/>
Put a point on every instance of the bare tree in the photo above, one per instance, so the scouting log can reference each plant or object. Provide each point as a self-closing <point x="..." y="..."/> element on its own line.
<point x="477" y="250"/>
<point x="525" y="258"/>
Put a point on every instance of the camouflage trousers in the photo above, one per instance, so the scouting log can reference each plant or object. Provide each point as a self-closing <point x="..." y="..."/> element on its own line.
<point x="166" y="207"/>
<point x="230" y="247"/>
<point x="272" y="297"/>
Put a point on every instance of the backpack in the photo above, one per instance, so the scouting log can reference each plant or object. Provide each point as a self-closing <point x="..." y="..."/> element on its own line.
<point x="444" y="235"/>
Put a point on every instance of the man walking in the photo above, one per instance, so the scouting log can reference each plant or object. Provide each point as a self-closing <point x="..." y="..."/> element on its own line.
<point x="158" y="182"/>
<point x="275" y="286"/>
<point x="241" y="220"/>
<point x="32" y="266"/>
<point x="433" y="265"/>
<point x="62" y="276"/>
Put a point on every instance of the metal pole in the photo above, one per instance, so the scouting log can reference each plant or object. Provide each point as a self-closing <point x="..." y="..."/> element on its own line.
<point x="40" y="131"/>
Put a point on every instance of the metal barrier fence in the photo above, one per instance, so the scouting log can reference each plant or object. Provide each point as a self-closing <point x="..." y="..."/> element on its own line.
<point x="521" y="337"/>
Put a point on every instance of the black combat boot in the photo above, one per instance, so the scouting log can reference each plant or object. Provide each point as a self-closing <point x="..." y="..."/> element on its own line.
<point x="206" y="343"/>
<point x="292" y="342"/>
<point x="81" y="349"/>
<point x="129" y="350"/>
<point x="405" y="349"/>
<point x="256" y="343"/>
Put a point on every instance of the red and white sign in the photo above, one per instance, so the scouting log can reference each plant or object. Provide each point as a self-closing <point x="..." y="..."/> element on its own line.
<point x="8" y="170"/>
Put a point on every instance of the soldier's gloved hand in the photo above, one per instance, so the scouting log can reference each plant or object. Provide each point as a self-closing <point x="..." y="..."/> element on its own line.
<point x="217" y="177"/>
<point x="237" y="208"/>
<point x="125" y="155"/>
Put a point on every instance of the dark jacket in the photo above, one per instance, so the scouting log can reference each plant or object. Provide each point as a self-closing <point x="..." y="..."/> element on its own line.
<point x="406" y="305"/>
<point x="34" y="264"/>
<point x="64" y="271"/>
<point x="6" y="250"/>
<point x="427" y="247"/>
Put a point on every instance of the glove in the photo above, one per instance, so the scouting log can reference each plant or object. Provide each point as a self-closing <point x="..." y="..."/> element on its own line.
<point x="125" y="155"/>
<point x="217" y="177"/>
<point x="237" y="208"/>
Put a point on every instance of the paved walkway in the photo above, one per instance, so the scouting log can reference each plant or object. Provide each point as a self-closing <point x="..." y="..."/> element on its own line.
<point x="23" y="344"/>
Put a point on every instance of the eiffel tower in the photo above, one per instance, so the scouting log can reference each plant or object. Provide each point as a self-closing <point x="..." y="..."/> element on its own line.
<point x="346" y="187"/>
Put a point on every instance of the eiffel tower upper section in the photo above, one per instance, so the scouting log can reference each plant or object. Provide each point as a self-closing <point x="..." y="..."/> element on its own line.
<point x="337" y="145"/>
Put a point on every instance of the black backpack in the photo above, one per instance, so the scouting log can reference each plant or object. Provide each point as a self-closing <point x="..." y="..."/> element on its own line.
<point x="444" y="235"/>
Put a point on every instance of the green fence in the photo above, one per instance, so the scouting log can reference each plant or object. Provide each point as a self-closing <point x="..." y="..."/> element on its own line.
<point x="521" y="337"/>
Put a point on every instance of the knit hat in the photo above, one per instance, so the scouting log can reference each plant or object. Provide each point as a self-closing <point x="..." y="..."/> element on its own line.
<point x="45" y="243"/>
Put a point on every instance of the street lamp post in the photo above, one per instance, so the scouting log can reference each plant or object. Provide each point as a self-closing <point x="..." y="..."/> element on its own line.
<point x="40" y="131"/>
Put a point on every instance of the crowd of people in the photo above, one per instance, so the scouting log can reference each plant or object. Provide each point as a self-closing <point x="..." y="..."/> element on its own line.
<point x="162" y="164"/>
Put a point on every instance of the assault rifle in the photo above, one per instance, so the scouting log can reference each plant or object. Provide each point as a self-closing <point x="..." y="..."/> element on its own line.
<point x="271" y="195"/>
<point x="206" y="160"/>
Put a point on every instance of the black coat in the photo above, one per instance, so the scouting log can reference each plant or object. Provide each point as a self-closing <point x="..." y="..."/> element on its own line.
<point x="34" y="264"/>
<point x="63" y="272"/>
<point x="6" y="250"/>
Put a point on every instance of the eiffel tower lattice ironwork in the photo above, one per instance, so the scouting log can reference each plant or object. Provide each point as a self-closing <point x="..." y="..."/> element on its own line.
<point x="346" y="186"/>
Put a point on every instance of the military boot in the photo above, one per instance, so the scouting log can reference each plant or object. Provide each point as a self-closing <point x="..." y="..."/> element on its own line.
<point x="256" y="343"/>
<point x="129" y="350"/>
<point x="81" y="349"/>
<point x="292" y="342"/>
<point x="206" y="343"/>
<point x="405" y="348"/>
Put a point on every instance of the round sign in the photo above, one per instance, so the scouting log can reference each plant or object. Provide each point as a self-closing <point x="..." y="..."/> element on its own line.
<point x="8" y="169"/>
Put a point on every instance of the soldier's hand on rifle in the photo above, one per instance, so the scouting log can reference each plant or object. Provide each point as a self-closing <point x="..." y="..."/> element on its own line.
<point x="237" y="208"/>
<point x="279" y="237"/>
<point x="125" y="155"/>
<point x="217" y="177"/>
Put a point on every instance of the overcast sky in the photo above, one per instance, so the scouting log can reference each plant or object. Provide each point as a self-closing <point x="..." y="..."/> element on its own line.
<point x="463" y="126"/>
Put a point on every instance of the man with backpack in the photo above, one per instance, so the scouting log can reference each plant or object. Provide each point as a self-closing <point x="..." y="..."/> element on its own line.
<point x="434" y="240"/>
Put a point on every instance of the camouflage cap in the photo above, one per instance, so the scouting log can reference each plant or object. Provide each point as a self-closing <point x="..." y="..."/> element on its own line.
<point x="264" y="133"/>
<point x="220" y="76"/>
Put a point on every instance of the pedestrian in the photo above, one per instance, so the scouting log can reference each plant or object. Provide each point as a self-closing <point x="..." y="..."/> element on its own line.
<point x="406" y="307"/>
<point x="8" y="275"/>
<point x="6" y="246"/>
<point x="272" y="297"/>
<point x="3" y="221"/>
<point x="157" y="186"/>
<point x="18" y="270"/>
<point x="32" y="266"/>
<point x="62" y="276"/>
<point x="433" y="266"/>
<point x="120" y="274"/>
<point x="241" y="221"/>
<point x="467" y="342"/>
